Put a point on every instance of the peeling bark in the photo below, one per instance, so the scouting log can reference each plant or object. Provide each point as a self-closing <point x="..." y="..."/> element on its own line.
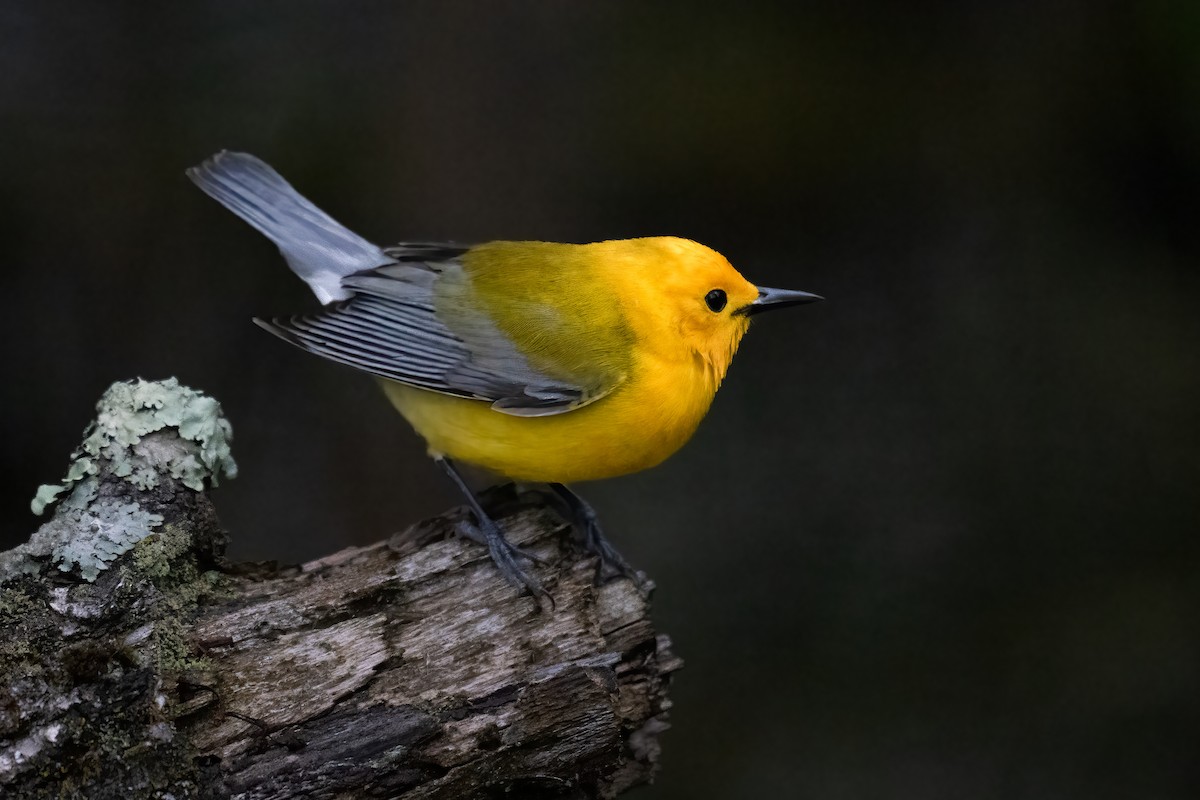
<point x="407" y="668"/>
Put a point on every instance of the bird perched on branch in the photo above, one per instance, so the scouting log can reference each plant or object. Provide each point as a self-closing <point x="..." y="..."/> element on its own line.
<point x="543" y="362"/>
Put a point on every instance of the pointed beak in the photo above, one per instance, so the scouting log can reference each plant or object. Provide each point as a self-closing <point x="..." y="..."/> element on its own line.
<point x="778" y="298"/>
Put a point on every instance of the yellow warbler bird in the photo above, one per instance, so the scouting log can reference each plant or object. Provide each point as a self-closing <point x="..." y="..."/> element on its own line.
<point x="542" y="362"/>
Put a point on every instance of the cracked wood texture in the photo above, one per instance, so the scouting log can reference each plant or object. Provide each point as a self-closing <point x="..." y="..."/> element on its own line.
<point x="408" y="668"/>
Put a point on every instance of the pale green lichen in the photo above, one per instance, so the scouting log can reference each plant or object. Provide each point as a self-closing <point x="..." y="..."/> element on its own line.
<point x="87" y="539"/>
<point x="121" y="639"/>
<point x="143" y="432"/>
<point x="47" y="493"/>
<point x="114" y="529"/>
<point x="130" y="411"/>
<point x="17" y="562"/>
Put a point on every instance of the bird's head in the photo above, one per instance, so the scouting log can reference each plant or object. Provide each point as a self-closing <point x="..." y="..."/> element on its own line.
<point x="701" y="302"/>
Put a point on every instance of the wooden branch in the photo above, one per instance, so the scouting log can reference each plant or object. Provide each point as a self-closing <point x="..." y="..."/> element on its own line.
<point x="407" y="668"/>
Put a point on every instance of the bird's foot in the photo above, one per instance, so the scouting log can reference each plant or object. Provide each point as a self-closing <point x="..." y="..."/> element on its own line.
<point x="506" y="555"/>
<point x="468" y="529"/>
<point x="503" y="552"/>
<point x="612" y="563"/>
<point x="583" y="516"/>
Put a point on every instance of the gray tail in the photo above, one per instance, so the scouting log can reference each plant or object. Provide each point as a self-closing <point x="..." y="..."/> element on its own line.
<point x="317" y="247"/>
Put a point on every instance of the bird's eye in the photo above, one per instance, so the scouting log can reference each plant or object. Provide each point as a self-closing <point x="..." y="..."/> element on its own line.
<point x="716" y="299"/>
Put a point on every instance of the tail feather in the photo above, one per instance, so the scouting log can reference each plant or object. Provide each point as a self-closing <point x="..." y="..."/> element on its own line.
<point x="317" y="247"/>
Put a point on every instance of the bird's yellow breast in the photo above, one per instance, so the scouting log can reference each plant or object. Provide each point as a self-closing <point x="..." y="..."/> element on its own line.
<point x="635" y="427"/>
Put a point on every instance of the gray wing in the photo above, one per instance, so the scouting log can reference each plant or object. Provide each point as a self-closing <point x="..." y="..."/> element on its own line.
<point x="426" y="252"/>
<point x="388" y="328"/>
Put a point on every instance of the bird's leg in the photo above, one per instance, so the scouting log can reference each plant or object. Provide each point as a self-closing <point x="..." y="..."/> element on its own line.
<point x="594" y="541"/>
<point x="503" y="552"/>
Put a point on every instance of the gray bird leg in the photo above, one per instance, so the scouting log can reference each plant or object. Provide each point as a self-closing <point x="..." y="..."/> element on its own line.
<point x="587" y="523"/>
<point x="503" y="552"/>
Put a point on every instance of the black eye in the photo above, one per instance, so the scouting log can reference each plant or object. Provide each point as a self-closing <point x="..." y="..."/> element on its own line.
<point x="716" y="299"/>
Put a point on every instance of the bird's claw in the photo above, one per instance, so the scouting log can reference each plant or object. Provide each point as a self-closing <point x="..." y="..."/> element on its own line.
<point x="503" y="552"/>
<point x="505" y="555"/>
<point x="612" y="564"/>
<point x="470" y="530"/>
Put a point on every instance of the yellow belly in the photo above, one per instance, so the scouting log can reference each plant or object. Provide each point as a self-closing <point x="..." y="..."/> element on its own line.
<point x="635" y="427"/>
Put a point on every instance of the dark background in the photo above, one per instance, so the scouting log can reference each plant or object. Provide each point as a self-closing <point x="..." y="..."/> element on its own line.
<point x="938" y="537"/>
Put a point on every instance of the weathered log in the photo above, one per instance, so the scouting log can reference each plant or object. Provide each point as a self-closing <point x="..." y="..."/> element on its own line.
<point x="137" y="662"/>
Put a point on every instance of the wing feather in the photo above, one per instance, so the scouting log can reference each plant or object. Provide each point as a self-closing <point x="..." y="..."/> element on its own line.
<point x="389" y="327"/>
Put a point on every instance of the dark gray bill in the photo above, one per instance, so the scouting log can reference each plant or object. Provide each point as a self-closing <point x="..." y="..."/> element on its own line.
<point x="778" y="298"/>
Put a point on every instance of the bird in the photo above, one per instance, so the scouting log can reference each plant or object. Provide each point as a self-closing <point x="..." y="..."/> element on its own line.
<point x="542" y="362"/>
